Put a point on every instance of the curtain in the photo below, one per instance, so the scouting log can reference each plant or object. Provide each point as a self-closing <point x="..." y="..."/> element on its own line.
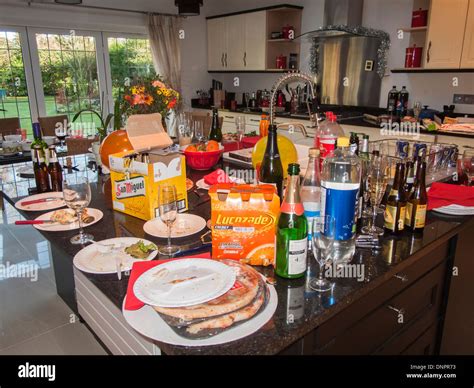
<point x="164" y="41"/>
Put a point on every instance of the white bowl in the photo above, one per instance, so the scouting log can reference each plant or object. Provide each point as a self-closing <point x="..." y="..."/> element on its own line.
<point x="26" y="145"/>
<point x="49" y="140"/>
<point x="12" y="137"/>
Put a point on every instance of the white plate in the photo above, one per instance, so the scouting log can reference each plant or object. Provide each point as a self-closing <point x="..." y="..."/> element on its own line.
<point x="156" y="286"/>
<point x="200" y="184"/>
<point x="185" y="225"/>
<point x="100" y="259"/>
<point x="96" y="213"/>
<point x="148" y="322"/>
<point x="39" y="207"/>
<point x="456" y="210"/>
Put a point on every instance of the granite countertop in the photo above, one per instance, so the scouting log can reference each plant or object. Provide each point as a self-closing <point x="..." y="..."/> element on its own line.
<point x="300" y="310"/>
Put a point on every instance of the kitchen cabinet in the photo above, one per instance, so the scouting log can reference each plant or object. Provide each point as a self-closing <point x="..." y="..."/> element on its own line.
<point x="235" y="42"/>
<point x="467" y="58"/>
<point x="216" y="43"/>
<point x="255" y="41"/>
<point x="446" y="27"/>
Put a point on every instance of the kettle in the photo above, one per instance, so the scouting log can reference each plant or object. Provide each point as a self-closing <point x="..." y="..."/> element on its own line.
<point x="281" y="100"/>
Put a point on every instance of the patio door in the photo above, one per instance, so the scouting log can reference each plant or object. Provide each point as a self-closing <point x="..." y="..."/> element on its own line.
<point x="69" y="73"/>
<point x="16" y="79"/>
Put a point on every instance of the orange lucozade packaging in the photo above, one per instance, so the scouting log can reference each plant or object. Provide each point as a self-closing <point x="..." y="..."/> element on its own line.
<point x="243" y="222"/>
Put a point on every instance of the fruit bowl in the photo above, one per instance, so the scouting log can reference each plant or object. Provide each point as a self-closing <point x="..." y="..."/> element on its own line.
<point x="203" y="160"/>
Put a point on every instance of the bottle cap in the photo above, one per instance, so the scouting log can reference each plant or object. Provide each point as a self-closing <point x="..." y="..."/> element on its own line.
<point x="293" y="169"/>
<point x="342" y="142"/>
<point x="314" y="152"/>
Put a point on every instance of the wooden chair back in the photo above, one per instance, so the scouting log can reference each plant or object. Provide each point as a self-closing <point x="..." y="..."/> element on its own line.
<point x="77" y="146"/>
<point x="9" y="126"/>
<point x="48" y="124"/>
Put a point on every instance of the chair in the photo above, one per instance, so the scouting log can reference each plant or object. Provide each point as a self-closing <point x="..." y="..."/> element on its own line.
<point x="9" y="126"/>
<point x="206" y="120"/>
<point x="77" y="146"/>
<point x="48" y="124"/>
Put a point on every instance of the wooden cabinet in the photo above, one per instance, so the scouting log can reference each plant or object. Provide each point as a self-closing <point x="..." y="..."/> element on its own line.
<point x="255" y="41"/>
<point x="216" y="43"/>
<point x="446" y="27"/>
<point x="235" y="42"/>
<point x="467" y="58"/>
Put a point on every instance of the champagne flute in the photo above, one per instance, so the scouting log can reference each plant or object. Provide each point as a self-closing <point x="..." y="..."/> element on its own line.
<point x="377" y="182"/>
<point x="168" y="211"/>
<point x="468" y="165"/>
<point x="77" y="197"/>
<point x="323" y="238"/>
<point x="240" y="127"/>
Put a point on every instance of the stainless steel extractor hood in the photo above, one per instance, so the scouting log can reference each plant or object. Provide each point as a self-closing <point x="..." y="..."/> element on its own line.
<point x="341" y="18"/>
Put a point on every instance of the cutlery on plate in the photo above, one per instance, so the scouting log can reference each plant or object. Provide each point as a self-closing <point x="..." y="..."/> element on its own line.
<point x="42" y="200"/>
<point x="86" y="220"/>
<point x="118" y="267"/>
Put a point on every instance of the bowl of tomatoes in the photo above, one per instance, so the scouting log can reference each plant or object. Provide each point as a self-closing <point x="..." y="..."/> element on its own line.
<point x="203" y="156"/>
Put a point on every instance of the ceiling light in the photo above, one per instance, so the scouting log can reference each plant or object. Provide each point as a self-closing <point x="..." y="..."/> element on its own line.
<point x="188" y="7"/>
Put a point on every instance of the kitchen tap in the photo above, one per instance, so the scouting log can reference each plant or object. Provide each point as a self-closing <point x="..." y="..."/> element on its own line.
<point x="289" y="126"/>
<point x="296" y="76"/>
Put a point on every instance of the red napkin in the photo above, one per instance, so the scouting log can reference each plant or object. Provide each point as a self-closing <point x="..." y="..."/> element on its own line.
<point x="231" y="146"/>
<point x="138" y="268"/>
<point x="217" y="176"/>
<point x="444" y="194"/>
<point x="250" y="141"/>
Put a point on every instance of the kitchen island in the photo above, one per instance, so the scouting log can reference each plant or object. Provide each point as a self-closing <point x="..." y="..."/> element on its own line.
<point x="399" y="305"/>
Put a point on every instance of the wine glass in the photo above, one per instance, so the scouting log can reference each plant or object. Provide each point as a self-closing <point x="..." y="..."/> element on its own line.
<point x="77" y="197"/>
<point x="377" y="182"/>
<point x="240" y="127"/>
<point x="468" y="165"/>
<point x="247" y="101"/>
<point x="185" y="130"/>
<point x="168" y="211"/>
<point x="199" y="131"/>
<point x="417" y="109"/>
<point x="60" y="131"/>
<point x="323" y="238"/>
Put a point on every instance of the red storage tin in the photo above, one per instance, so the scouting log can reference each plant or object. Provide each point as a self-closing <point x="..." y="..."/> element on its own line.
<point x="419" y="18"/>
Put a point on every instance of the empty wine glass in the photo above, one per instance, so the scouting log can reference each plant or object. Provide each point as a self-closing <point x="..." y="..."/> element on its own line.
<point x="60" y="131"/>
<point x="240" y="127"/>
<point x="323" y="238"/>
<point x="185" y="130"/>
<point x="468" y="165"/>
<point x="199" y="131"/>
<point x="377" y="183"/>
<point x="168" y="211"/>
<point x="77" y="197"/>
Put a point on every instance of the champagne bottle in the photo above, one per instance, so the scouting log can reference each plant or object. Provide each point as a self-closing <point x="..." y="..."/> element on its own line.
<point x="40" y="170"/>
<point x="55" y="171"/>
<point x="416" y="206"/>
<point x="292" y="230"/>
<point x="395" y="207"/>
<point x="364" y="148"/>
<point x="216" y="131"/>
<point x="271" y="169"/>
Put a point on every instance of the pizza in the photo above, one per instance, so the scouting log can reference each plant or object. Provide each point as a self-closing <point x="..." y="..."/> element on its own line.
<point x="189" y="184"/>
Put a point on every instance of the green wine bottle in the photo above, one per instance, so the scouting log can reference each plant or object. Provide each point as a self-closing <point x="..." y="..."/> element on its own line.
<point x="292" y="230"/>
<point x="216" y="131"/>
<point x="271" y="168"/>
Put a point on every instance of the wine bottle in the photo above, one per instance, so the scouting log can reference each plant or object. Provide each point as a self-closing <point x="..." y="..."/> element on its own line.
<point x="55" y="171"/>
<point x="292" y="230"/>
<point x="364" y="148"/>
<point x="409" y="178"/>
<point x="416" y="206"/>
<point x="311" y="190"/>
<point x="40" y="170"/>
<point x="271" y="168"/>
<point x="38" y="140"/>
<point x="395" y="207"/>
<point x="354" y="143"/>
<point x="216" y="131"/>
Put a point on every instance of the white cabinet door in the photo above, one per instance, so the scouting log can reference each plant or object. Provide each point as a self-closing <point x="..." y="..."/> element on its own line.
<point x="255" y="40"/>
<point x="445" y="36"/>
<point x="235" y="47"/>
<point x="216" y="43"/>
<point x="467" y="58"/>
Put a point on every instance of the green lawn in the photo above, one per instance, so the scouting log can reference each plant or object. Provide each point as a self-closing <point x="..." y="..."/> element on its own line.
<point x="19" y="107"/>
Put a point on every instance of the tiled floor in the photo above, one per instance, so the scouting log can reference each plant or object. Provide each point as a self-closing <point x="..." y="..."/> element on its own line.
<point x="33" y="319"/>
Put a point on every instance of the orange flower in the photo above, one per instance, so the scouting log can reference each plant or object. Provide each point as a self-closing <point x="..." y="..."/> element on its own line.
<point x="138" y="99"/>
<point x="128" y="98"/>
<point x="148" y="100"/>
<point x="172" y="103"/>
<point x="158" y="84"/>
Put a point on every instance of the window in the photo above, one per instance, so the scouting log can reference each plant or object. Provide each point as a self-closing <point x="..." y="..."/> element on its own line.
<point x="14" y="100"/>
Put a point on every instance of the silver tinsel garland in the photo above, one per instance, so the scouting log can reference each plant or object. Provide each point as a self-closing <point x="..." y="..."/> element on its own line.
<point x="382" y="51"/>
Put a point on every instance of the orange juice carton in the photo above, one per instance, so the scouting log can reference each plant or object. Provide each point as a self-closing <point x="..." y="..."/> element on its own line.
<point x="243" y="222"/>
<point x="137" y="175"/>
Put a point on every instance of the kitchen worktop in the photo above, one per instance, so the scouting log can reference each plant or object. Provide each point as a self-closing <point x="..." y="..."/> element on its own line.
<point x="300" y="310"/>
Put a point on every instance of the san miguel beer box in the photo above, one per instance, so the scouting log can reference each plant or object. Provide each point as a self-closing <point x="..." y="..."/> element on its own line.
<point x="136" y="179"/>
<point x="243" y="222"/>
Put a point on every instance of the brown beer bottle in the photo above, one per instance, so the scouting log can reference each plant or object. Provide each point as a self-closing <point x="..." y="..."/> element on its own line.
<point x="55" y="170"/>
<point x="395" y="208"/>
<point x="40" y="170"/>
<point x="416" y="205"/>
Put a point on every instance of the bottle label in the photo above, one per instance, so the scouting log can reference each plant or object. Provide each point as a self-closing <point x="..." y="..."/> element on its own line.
<point x="311" y="211"/>
<point x="391" y="222"/>
<point x="418" y="214"/>
<point x="353" y="147"/>
<point x="53" y="159"/>
<point x="292" y="208"/>
<point x="297" y="252"/>
<point x="338" y="200"/>
<point x="327" y="145"/>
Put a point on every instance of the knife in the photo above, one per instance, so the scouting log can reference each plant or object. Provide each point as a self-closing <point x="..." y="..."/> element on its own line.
<point x="42" y="200"/>
<point x="35" y="222"/>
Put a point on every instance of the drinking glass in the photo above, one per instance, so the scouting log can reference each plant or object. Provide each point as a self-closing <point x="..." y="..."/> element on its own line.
<point x="323" y="238"/>
<point x="168" y="211"/>
<point x="468" y="165"/>
<point x="77" y="197"/>
<point x="185" y="130"/>
<point x="240" y="127"/>
<point x="417" y="109"/>
<point x="377" y="182"/>
<point x="199" y="131"/>
<point x="247" y="101"/>
<point x="60" y="131"/>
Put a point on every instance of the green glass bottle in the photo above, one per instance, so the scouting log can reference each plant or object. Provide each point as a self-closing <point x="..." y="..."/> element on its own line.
<point x="292" y="230"/>
<point x="271" y="169"/>
<point x="216" y="130"/>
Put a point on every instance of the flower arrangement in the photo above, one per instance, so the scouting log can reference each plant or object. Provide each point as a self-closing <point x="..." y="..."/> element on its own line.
<point x="149" y="95"/>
